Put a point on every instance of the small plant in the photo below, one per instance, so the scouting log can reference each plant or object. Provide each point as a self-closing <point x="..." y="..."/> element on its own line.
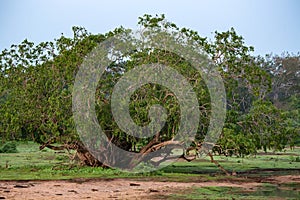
<point x="62" y="158"/>
<point x="9" y="147"/>
<point x="295" y="159"/>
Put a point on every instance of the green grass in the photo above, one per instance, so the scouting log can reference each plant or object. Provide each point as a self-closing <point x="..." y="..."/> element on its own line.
<point x="211" y="193"/>
<point x="31" y="163"/>
<point x="267" y="191"/>
<point x="285" y="161"/>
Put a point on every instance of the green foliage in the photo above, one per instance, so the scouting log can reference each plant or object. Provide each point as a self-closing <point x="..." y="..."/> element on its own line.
<point x="263" y="127"/>
<point x="9" y="147"/>
<point x="266" y="124"/>
<point x="235" y="143"/>
<point x="37" y="86"/>
<point x="284" y="72"/>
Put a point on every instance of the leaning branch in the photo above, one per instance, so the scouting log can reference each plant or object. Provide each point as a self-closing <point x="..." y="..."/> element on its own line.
<point x="218" y="165"/>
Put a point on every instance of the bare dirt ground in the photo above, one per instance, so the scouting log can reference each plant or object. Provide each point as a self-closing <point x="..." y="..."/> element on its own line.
<point x="117" y="188"/>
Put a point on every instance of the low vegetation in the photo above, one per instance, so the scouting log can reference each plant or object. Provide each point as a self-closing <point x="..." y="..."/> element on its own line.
<point x="30" y="164"/>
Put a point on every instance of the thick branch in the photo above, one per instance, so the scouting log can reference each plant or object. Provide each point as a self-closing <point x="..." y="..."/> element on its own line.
<point x="162" y="144"/>
<point x="150" y="144"/>
<point x="56" y="148"/>
<point x="218" y="165"/>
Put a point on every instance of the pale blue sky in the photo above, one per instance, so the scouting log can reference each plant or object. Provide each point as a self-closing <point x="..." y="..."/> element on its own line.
<point x="268" y="25"/>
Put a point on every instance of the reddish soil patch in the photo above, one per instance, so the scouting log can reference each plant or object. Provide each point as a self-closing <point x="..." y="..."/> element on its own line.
<point x="114" y="188"/>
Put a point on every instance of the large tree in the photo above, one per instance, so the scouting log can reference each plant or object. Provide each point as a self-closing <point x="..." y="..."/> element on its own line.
<point x="37" y="84"/>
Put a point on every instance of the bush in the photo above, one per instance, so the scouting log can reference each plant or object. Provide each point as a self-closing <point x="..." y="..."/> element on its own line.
<point x="9" y="147"/>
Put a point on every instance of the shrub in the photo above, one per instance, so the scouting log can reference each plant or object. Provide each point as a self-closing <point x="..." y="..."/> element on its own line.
<point x="9" y="147"/>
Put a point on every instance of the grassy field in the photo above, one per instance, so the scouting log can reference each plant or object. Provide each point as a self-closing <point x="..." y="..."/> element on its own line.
<point x="31" y="164"/>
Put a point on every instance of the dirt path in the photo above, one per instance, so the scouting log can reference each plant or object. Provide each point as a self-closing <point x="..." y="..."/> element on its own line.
<point x="109" y="188"/>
